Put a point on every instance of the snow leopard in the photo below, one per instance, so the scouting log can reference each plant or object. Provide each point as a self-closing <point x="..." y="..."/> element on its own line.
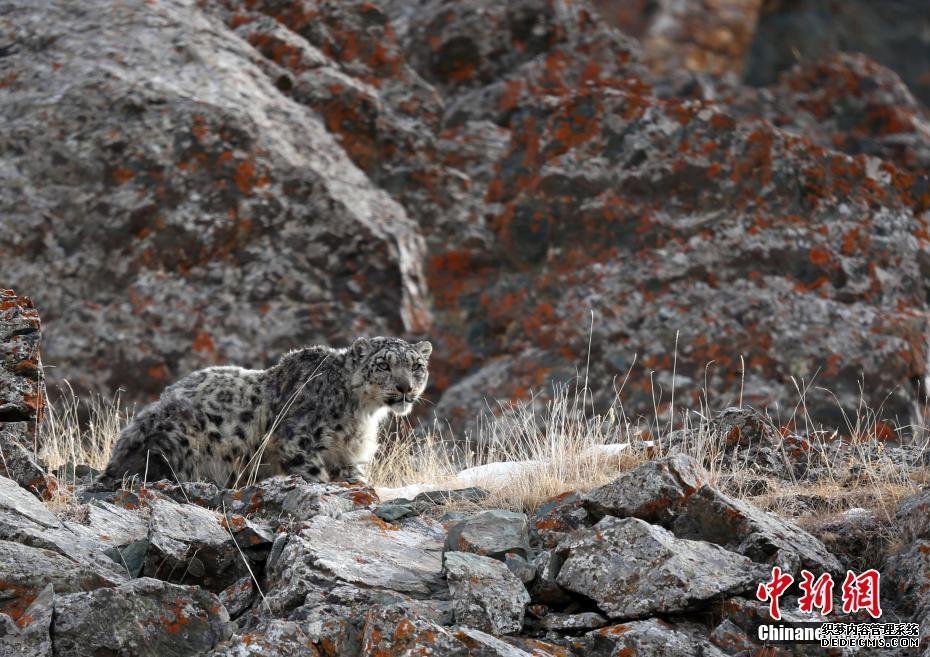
<point x="316" y="413"/>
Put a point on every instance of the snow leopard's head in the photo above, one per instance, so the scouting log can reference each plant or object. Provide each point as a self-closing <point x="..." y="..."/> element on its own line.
<point x="390" y="372"/>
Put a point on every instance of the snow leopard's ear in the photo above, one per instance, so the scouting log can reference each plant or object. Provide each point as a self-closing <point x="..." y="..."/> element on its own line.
<point x="425" y="348"/>
<point x="360" y="348"/>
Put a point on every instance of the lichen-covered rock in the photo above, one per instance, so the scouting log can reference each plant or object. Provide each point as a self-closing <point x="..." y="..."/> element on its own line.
<point x="653" y="491"/>
<point x="709" y="515"/>
<point x="25" y="520"/>
<point x="490" y="533"/>
<point x="29" y="635"/>
<point x="21" y="396"/>
<point x="143" y="618"/>
<point x="223" y="222"/>
<point x="359" y="548"/>
<point x="26" y="571"/>
<point x="485" y="594"/>
<point x="557" y="517"/>
<point x="646" y="638"/>
<point x="276" y="638"/>
<point x="393" y="631"/>
<point x="632" y="569"/>
<point x="191" y="544"/>
<point x="913" y="516"/>
<point x="908" y="574"/>
<point x="806" y="30"/>
<point x="20" y="464"/>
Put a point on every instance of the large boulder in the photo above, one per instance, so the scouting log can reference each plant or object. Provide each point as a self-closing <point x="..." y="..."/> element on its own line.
<point x="676" y="492"/>
<point x="220" y="220"/>
<point x="632" y="569"/>
<point x="144" y="618"/>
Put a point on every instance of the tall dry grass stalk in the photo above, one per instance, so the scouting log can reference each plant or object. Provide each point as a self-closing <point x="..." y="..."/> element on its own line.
<point x="79" y="431"/>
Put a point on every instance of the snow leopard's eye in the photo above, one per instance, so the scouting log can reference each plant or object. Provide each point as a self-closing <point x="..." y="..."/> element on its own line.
<point x="418" y="367"/>
<point x="384" y="367"/>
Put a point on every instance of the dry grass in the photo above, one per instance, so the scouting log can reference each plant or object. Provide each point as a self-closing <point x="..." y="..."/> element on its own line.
<point x="79" y="431"/>
<point x="561" y="448"/>
<point x="553" y="447"/>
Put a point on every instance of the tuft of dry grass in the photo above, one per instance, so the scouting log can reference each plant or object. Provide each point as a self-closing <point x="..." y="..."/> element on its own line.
<point x="79" y="431"/>
<point x="563" y="447"/>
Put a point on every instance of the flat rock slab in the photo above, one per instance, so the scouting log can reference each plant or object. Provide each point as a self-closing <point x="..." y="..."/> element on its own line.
<point x="646" y="638"/>
<point x="24" y="519"/>
<point x="18" y="506"/>
<point x="490" y="533"/>
<point x="485" y="593"/>
<point x="632" y="569"/>
<point x="144" y="618"/>
<point x="359" y="549"/>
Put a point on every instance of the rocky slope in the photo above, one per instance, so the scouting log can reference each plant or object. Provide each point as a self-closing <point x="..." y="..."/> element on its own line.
<point x="659" y="560"/>
<point x="188" y="183"/>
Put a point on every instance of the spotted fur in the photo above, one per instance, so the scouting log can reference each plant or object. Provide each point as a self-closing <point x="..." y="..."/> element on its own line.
<point x="321" y="406"/>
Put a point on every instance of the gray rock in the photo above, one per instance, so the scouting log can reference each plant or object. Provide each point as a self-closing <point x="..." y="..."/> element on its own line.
<point x="710" y="515"/>
<point x="557" y="517"/>
<point x="394" y="631"/>
<point x="519" y="566"/>
<point x="114" y="525"/>
<point x="652" y="492"/>
<point x="490" y="533"/>
<point x="913" y="516"/>
<point x="573" y="623"/>
<point x="906" y="577"/>
<point x="294" y="498"/>
<point x="25" y="520"/>
<point x="29" y="635"/>
<point x="645" y="638"/>
<point x="730" y="637"/>
<point x="191" y="544"/>
<point x="18" y="507"/>
<point x="485" y="594"/>
<point x="632" y="569"/>
<point x="545" y="589"/>
<point x="238" y="596"/>
<point x="144" y="618"/>
<point x="21" y="393"/>
<point x="393" y="511"/>
<point x="274" y="638"/>
<point x="19" y="463"/>
<point x="258" y="220"/>
<point x="431" y="498"/>
<point x="358" y="549"/>
<point x="25" y="571"/>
